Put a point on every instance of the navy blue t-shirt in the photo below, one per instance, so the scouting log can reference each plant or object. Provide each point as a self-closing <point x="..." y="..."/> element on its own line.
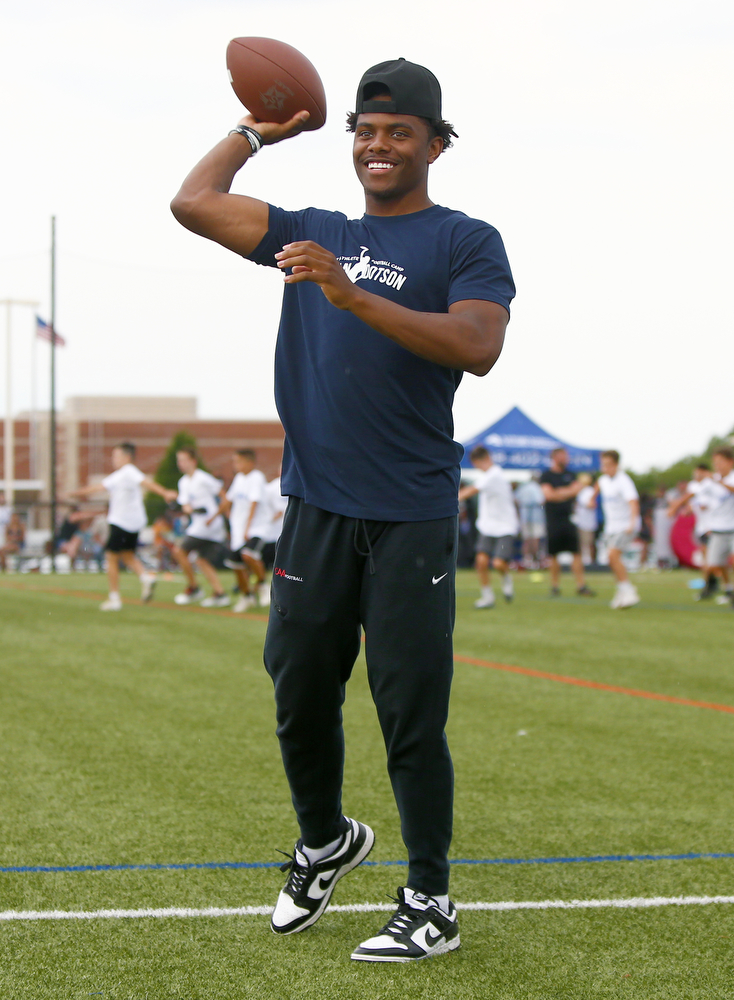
<point x="368" y="424"/>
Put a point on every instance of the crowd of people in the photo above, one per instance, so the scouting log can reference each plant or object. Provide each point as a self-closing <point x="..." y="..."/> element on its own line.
<point x="529" y="525"/>
<point x="560" y="512"/>
<point x="204" y="528"/>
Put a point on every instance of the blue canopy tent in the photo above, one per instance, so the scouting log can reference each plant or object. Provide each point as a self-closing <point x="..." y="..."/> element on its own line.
<point x="517" y="443"/>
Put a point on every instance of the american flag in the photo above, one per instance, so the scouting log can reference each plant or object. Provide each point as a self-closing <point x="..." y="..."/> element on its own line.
<point x="44" y="331"/>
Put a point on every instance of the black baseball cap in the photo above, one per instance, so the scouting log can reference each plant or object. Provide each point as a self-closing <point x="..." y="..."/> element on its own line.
<point x="414" y="90"/>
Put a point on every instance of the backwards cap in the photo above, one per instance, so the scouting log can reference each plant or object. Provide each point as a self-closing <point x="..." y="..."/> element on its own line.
<point x="414" y="90"/>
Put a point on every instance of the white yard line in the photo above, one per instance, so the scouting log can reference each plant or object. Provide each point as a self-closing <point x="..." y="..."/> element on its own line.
<point x="636" y="902"/>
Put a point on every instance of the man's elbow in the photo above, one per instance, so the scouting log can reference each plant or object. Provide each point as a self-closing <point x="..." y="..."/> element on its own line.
<point x="184" y="209"/>
<point x="192" y="211"/>
<point x="485" y="354"/>
<point x="484" y="361"/>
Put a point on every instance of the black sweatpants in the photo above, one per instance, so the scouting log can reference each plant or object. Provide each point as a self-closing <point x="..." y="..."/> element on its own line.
<point x="333" y="575"/>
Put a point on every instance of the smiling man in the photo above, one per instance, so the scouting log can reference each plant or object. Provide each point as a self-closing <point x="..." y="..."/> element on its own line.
<point x="381" y="317"/>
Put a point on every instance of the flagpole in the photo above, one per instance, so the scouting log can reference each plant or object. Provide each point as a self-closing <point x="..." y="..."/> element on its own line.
<point x="52" y="410"/>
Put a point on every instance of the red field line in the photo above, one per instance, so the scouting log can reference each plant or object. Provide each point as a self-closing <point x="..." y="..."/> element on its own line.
<point x="596" y="685"/>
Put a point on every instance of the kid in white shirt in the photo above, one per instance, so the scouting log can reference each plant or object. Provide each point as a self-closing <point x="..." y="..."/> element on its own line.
<point x="126" y="517"/>
<point x="621" y="506"/>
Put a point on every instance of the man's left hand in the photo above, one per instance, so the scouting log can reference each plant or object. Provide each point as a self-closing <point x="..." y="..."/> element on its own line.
<point x="310" y="262"/>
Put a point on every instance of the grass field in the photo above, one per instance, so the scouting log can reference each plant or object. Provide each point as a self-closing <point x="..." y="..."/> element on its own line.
<point x="147" y="737"/>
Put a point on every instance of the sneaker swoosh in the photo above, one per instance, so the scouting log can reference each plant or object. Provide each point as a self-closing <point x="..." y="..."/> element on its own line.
<point x="424" y="939"/>
<point x="318" y="890"/>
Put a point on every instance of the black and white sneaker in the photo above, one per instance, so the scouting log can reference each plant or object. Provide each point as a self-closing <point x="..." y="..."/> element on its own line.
<point x="418" y="928"/>
<point x="309" y="887"/>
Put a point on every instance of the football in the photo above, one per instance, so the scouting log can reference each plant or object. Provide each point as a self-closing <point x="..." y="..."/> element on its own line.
<point x="274" y="81"/>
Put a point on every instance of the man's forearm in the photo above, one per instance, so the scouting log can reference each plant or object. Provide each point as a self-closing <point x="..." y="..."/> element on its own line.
<point x="451" y="339"/>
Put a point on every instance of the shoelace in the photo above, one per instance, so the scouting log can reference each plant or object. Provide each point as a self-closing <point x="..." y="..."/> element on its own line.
<point x="400" y="921"/>
<point x="297" y="876"/>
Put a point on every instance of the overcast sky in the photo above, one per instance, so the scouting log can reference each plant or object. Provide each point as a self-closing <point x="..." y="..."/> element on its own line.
<point x="596" y="137"/>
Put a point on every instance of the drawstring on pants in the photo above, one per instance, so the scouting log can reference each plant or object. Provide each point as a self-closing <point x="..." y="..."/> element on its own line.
<point x="357" y="549"/>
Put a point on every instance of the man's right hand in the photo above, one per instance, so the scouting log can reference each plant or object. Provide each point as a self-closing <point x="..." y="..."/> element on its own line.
<point x="272" y="132"/>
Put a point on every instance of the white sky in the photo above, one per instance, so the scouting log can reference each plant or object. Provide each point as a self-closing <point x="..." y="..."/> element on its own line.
<point x="596" y="137"/>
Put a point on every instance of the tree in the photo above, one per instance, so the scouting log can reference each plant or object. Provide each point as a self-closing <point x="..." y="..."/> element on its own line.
<point x="682" y="470"/>
<point x="167" y="473"/>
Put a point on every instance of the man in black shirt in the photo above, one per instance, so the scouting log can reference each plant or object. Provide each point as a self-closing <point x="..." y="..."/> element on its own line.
<point x="560" y="488"/>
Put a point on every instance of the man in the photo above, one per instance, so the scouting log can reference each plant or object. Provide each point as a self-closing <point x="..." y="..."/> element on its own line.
<point x="716" y="498"/>
<point x="621" y="507"/>
<point x="366" y="370"/>
<point x="244" y="505"/>
<point x="497" y="524"/>
<point x="198" y="495"/>
<point x="126" y="517"/>
<point x="560" y="489"/>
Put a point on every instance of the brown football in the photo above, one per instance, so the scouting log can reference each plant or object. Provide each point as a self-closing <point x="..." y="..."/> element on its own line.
<point x="274" y="81"/>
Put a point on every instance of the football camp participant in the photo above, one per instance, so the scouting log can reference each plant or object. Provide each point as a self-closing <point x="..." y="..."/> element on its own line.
<point x="381" y="317"/>
<point x="621" y="506"/>
<point x="696" y="498"/>
<point x="126" y="517"/>
<point x="497" y="524"/>
<point x="244" y="505"/>
<point x="560" y="489"/>
<point x="717" y="497"/>
<point x="276" y="505"/>
<point x="198" y="495"/>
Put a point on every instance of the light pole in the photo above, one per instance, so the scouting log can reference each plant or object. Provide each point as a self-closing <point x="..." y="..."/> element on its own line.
<point x="9" y="441"/>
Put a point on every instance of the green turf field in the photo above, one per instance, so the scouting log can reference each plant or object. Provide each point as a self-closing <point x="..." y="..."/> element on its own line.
<point x="147" y="737"/>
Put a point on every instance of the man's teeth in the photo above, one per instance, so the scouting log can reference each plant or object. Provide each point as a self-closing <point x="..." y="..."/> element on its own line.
<point x="380" y="166"/>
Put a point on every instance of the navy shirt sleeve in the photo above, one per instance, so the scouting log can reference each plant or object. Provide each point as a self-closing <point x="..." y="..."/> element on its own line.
<point x="283" y="227"/>
<point x="479" y="267"/>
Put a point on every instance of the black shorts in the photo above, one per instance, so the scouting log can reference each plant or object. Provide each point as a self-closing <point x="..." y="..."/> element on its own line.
<point x="211" y="551"/>
<point x="121" y="540"/>
<point x="268" y="556"/>
<point x="253" y="547"/>
<point x="563" y="538"/>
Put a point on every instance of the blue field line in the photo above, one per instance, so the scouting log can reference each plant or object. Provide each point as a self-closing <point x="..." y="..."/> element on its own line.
<point x="189" y="866"/>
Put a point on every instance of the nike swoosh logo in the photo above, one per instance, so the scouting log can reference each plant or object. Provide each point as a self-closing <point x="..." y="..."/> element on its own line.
<point x="318" y="890"/>
<point x="424" y="939"/>
<point x="437" y="579"/>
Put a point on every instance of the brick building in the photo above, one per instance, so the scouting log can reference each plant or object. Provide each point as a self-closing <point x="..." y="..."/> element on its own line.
<point x="89" y="426"/>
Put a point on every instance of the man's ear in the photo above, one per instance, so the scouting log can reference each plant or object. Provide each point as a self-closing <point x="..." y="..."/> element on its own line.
<point x="435" y="148"/>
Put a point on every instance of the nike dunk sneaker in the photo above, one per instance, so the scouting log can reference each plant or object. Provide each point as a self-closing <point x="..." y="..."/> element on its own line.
<point x="309" y="887"/>
<point x="418" y="928"/>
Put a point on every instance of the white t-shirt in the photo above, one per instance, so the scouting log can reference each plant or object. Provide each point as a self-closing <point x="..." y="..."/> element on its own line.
<point x="721" y="514"/>
<point x="201" y="490"/>
<point x="584" y="517"/>
<point x="698" y="504"/>
<point x="247" y="489"/>
<point x="497" y="512"/>
<point x="617" y="492"/>
<point x="275" y="505"/>
<point x="126" y="509"/>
